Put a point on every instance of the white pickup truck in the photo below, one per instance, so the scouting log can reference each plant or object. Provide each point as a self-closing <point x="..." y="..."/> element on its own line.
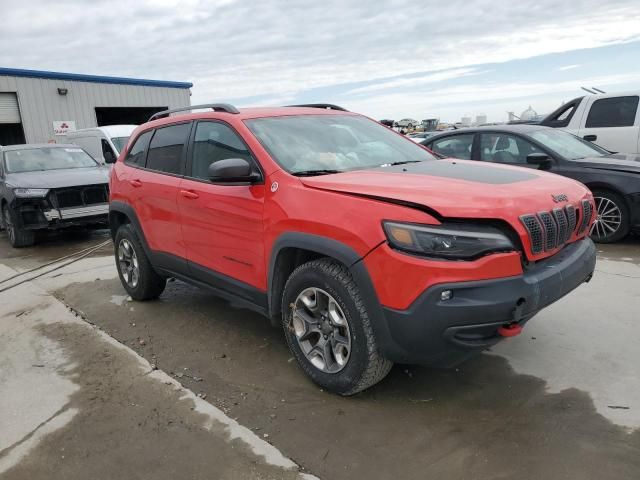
<point x="612" y="120"/>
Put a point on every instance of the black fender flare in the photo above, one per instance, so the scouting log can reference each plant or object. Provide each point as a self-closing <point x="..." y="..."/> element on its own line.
<point x="347" y="256"/>
<point x="129" y="212"/>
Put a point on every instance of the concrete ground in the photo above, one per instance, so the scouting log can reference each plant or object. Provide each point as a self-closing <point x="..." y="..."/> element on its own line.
<point x="80" y="399"/>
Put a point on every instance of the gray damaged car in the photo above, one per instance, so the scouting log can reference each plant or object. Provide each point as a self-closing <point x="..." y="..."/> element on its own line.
<point x="50" y="186"/>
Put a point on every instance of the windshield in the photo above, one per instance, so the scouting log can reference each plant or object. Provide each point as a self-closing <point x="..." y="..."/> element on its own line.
<point x="327" y="143"/>
<point x="40" y="159"/>
<point x="119" y="143"/>
<point x="567" y="145"/>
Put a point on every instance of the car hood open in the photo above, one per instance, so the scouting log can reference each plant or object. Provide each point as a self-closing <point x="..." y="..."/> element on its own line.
<point x="457" y="188"/>
<point x="70" y="177"/>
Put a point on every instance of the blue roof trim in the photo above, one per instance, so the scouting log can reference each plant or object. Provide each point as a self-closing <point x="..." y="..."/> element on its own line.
<point x="77" y="77"/>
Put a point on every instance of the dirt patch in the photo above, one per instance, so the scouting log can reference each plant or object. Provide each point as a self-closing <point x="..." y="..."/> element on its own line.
<point x="481" y="421"/>
<point x="129" y="425"/>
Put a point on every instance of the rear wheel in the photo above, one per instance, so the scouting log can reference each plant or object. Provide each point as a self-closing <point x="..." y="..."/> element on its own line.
<point x="612" y="221"/>
<point x="17" y="236"/>
<point x="137" y="275"/>
<point x="328" y="329"/>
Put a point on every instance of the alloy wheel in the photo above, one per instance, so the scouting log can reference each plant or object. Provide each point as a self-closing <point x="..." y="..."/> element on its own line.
<point x="322" y="330"/>
<point x="608" y="220"/>
<point x="128" y="262"/>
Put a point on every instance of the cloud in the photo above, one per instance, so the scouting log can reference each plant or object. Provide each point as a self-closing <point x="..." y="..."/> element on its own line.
<point x="235" y="50"/>
<point x="568" y="67"/>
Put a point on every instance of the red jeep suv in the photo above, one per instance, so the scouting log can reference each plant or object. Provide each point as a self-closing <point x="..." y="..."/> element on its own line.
<point x="366" y="248"/>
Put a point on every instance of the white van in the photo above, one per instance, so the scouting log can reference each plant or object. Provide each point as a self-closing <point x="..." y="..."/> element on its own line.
<point x="611" y="120"/>
<point x="102" y="143"/>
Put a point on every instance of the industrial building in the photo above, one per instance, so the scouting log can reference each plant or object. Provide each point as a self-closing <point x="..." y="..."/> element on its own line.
<point x="40" y="107"/>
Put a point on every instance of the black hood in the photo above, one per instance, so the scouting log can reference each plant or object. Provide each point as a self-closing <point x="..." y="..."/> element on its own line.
<point x="71" y="177"/>
<point x="620" y="162"/>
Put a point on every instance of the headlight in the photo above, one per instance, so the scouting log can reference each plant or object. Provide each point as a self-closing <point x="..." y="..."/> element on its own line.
<point x="453" y="242"/>
<point x="31" y="192"/>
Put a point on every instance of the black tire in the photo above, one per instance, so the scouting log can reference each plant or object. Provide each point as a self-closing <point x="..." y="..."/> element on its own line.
<point x="18" y="237"/>
<point x="149" y="284"/>
<point x="602" y="234"/>
<point x="365" y="365"/>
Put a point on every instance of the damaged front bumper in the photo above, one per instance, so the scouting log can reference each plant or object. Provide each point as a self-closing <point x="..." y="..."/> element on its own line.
<point x="38" y="214"/>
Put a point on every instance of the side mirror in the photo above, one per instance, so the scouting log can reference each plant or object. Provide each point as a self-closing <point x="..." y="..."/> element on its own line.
<point x="109" y="157"/>
<point x="541" y="159"/>
<point x="232" y="170"/>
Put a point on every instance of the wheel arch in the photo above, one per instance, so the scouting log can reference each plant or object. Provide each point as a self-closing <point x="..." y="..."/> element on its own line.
<point x="292" y="249"/>
<point x="121" y="214"/>
<point x="599" y="185"/>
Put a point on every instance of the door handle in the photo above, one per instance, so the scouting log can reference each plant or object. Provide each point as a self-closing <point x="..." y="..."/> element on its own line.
<point x="135" y="183"/>
<point x="190" y="194"/>
<point x="591" y="138"/>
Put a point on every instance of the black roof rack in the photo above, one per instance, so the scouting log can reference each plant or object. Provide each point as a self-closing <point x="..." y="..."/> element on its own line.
<point x="326" y="106"/>
<point x="216" y="107"/>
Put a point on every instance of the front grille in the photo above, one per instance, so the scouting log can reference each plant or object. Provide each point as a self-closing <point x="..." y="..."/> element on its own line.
<point x="79" y="196"/>
<point x="550" y="230"/>
<point x="561" y="220"/>
<point x="586" y="215"/>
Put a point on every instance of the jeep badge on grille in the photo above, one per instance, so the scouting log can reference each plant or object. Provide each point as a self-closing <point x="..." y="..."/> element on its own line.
<point x="560" y="198"/>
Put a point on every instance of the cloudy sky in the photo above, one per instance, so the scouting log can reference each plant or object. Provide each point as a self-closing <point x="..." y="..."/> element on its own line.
<point x="387" y="59"/>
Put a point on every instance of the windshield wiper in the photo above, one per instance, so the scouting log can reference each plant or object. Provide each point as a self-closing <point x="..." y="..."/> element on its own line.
<point x="393" y="164"/>
<point x="311" y="173"/>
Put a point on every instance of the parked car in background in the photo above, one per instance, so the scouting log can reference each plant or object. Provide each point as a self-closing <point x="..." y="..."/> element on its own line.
<point x="360" y="244"/>
<point x="103" y="143"/>
<point x="613" y="178"/>
<point x="419" y="137"/>
<point x="612" y="120"/>
<point x="49" y="187"/>
<point x="407" y="123"/>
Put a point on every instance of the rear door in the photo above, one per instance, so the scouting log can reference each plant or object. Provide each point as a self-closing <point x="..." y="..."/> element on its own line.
<point x="613" y="123"/>
<point x="454" y="146"/>
<point x="154" y="183"/>
<point x="222" y="223"/>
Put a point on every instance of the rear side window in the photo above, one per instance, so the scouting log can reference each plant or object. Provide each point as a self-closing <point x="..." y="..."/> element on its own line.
<point x="214" y="142"/>
<point x="458" y="146"/>
<point x="136" y="153"/>
<point x="165" y="150"/>
<point x="613" y="112"/>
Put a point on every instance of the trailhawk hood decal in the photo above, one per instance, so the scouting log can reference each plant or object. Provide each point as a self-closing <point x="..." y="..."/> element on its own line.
<point x="71" y="177"/>
<point x="458" y="188"/>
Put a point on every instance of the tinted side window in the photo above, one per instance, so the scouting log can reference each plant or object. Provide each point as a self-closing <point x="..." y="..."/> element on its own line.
<point x="214" y="142"/>
<point x="458" y="146"/>
<point x="165" y="150"/>
<point x="504" y="148"/>
<point x="613" y="112"/>
<point x="136" y="153"/>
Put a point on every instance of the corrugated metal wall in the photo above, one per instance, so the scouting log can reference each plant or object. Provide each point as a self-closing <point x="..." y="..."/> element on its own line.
<point x="40" y="104"/>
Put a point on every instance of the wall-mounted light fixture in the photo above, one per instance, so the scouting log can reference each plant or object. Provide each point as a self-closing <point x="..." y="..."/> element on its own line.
<point x="62" y="91"/>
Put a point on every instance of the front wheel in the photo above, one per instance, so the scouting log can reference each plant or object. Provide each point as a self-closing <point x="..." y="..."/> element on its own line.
<point x="328" y="328"/>
<point x="612" y="221"/>
<point x="18" y="237"/>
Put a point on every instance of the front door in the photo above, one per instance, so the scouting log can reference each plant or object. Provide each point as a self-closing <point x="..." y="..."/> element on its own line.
<point x="222" y="224"/>
<point x="613" y="123"/>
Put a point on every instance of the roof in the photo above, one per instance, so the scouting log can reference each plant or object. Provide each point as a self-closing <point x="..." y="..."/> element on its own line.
<point x="109" y="130"/>
<point x="32" y="146"/>
<point x="518" y="128"/>
<point x="247" y="114"/>
<point x="77" y="77"/>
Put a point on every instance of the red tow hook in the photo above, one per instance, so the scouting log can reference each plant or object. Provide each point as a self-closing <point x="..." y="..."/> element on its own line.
<point x="511" y="330"/>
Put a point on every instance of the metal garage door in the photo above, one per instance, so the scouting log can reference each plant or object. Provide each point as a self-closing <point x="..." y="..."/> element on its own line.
<point x="9" y="111"/>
